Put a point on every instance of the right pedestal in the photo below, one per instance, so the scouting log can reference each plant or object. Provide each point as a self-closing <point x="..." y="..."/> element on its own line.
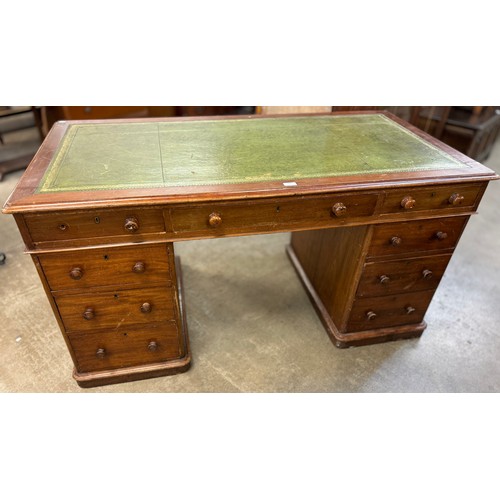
<point x="374" y="283"/>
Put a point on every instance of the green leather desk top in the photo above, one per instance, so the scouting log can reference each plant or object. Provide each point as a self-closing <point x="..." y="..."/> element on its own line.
<point x="132" y="155"/>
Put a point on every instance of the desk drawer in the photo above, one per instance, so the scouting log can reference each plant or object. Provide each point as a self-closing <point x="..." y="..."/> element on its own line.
<point x="462" y="197"/>
<point x="61" y="226"/>
<point x="402" y="276"/>
<point x="271" y="215"/>
<point x="111" y="349"/>
<point x="389" y="310"/>
<point x="116" y="309"/>
<point x="416" y="236"/>
<point x="130" y="265"/>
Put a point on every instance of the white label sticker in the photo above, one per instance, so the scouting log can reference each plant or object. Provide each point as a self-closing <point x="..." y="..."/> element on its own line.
<point x="289" y="184"/>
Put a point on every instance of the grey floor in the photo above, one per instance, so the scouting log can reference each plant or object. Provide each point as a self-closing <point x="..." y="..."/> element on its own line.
<point x="253" y="329"/>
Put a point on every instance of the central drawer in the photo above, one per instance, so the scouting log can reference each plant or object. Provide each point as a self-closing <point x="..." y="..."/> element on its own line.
<point x="111" y="349"/>
<point x="115" y="309"/>
<point x="134" y="265"/>
<point x="279" y="214"/>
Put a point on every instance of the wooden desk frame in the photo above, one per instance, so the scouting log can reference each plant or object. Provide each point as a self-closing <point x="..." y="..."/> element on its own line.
<point x="369" y="249"/>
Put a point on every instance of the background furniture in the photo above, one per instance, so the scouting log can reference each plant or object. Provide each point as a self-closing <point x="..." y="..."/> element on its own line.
<point x="271" y="110"/>
<point x="470" y="129"/>
<point x="51" y="114"/>
<point x="12" y="119"/>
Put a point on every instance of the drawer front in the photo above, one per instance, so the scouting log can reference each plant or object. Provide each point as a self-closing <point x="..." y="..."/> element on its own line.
<point x="401" y="276"/>
<point x="116" y="309"/>
<point x="272" y="215"/>
<point x="62" y="226"/>
<point x="455" y="197"/>
<point x="389" y="310"/>
<point x="134" y="265"/>
<point x="111" y="349"/>
<point x="416" y="236"/>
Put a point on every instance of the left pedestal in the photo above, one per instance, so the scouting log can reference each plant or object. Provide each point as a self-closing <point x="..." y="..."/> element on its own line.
<point x="120" y="309"/>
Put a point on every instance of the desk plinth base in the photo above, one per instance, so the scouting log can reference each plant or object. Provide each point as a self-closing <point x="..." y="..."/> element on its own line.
<point x="87" y="380"/>
<point x="129" y="374"/>
<point x="343" y="340"/>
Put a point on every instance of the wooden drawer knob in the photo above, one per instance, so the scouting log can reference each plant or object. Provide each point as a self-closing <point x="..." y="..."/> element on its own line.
<point x="139" y="267"/>
<point x="408" y="202"/>
<point x="131" y="224"/>
<point x="100" y="353"/>
<point x="456" y="199"/>
<point x="153" y="346"/>
<point x="440" y="235"/>
<point x="396" y="241"/>
<point x="339" y="209"/>
<point x="76" y="273"/>
<point x="384" y="279"/>
<point x="146" y="307"/>
<point x="410" y="310"/>
<point x="215" y="219"/>
<point x="89" y="314"/>
<point x="371" y="315"/>
<point x="427" y="274"/>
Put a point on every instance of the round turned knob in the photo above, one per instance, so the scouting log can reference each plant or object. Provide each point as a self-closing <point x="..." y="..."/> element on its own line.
<point x="427" y="274"/>
<point x="410" y="310"/>
<point x="89" y="313"/>
<point x="384" y="279"/>
<point x="396" y="241"/>
<point x="339" y="209"/>
<point x="100" y="353"/>
<point x="76" y="273"/>
<point x="131" y="224"/>
<point x="408" y="202"/>
<point x="215" y="219"/>
<point x="139" y="267"/>
<point x="146" y="307"/>
<point x="456" y="199"/>
<point x="440" y="235"/>
<point x="153" y="346"/>
<point x="371" y="315"/>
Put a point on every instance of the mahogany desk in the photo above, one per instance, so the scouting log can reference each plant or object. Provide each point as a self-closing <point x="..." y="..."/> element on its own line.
<point x="375" y="208"/>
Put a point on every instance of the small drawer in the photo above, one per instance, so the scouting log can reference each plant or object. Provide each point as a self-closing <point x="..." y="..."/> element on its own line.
<point x="282" y="214"/>
<point x="112" y="349"/>
<point x="62" y="226"/>
<point x="454" y="196"/>
<point x="116" y="309"/>
<point x="129" y="265"/>
<point x="401" y="276"/>
<point x="416" y="236"/>
<point x="388" y="310"/>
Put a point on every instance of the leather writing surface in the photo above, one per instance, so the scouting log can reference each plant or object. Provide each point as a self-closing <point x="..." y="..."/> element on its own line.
<point x="97" y="156"/>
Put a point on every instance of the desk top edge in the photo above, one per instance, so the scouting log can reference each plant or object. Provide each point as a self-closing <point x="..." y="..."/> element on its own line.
<point x="25" y="199"/>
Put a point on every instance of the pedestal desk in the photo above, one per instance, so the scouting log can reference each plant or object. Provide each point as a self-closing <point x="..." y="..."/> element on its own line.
<point x="375" y="208"/>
